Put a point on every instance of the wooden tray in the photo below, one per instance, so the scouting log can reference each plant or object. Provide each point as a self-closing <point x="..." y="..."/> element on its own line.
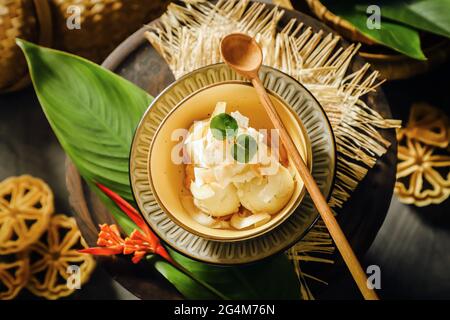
<point x="360" y="218"/>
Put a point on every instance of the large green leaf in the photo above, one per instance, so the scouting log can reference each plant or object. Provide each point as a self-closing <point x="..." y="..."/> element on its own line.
<point x="94" y="112"/>
<point x="432" y="16"/>
<point x="398" y="37"/>
<point x="273" y="278"/>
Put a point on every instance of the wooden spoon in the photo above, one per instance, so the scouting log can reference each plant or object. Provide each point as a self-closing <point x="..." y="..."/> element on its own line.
<point x="243" y="54"/>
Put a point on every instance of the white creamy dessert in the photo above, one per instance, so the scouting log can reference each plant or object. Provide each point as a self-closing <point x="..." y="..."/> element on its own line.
<point x="235" y="178"/>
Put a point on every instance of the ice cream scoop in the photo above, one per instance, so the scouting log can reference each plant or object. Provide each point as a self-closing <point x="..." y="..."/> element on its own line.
<point x="215" y="200"/>
<point x="268" y="194"/>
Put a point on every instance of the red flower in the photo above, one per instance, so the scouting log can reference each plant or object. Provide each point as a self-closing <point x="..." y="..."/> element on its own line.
<point x="139" y="244"/>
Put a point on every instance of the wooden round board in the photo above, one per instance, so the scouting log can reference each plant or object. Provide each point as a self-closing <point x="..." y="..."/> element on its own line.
<point x="360" y="218"/>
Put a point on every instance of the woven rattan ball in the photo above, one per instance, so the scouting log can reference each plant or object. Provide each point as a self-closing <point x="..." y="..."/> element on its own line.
<point x="17" y="19"/>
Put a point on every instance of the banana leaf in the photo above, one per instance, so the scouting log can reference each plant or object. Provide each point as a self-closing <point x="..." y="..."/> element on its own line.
<point x="431" y="16"/>
<point x="398" y="37"/>
<point x="94" y="113"/>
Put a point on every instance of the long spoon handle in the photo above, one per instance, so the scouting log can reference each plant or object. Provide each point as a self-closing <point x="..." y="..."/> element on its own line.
<point x="319" y="200"/>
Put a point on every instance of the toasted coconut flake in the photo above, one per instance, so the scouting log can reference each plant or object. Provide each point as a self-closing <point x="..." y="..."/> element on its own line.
<point x="242" y="220"/>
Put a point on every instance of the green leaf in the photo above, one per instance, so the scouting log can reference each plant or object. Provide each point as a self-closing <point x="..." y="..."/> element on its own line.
<point x="273" y="278"/>
<point x="185" y="284"/>
<point x="223" y="126"/>
<point x="245" y="148"/>
<point x="431" y="16"/>
<point x="395" y="36"/>
<point x="93" y="113"/>
<point x="126" y="224"/>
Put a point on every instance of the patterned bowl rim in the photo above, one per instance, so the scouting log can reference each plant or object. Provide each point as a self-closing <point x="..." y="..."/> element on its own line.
<point x="281" y="249"/>
<point x="268" y="228"/>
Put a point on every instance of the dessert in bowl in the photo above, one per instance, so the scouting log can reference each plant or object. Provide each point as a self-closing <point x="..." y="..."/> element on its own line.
<point x="217" y="168"/>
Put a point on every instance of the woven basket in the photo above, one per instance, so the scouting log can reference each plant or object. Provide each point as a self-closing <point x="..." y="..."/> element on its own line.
<point x="391" y="66"/>
<point x="104" y="24"/>
<point x="17" y="19"/>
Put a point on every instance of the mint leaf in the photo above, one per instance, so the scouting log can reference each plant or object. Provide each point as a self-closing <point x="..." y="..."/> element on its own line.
<point x="245" y="148"/>
<point x="223" y="126"/>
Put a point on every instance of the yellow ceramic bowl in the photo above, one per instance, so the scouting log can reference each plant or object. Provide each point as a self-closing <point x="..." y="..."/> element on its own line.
<point x="166" y="177"/>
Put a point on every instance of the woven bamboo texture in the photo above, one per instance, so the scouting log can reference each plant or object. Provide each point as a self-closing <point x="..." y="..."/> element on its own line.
<point x="17" y="19"/>
<point x="103" y="25"/>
